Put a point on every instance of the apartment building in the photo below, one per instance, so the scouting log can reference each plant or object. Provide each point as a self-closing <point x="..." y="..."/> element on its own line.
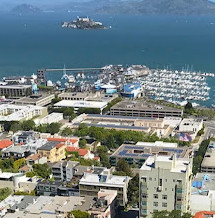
<point x="54" y="151"/>
<point x="91" y="183"/>
<point x="165" y="184"/>
<point x="64" y="170"/>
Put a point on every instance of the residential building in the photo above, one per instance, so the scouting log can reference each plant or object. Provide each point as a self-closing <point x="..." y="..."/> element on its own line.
<point x="63" y="170"/>
<point x="15" y="90"/>
<point x="165" y="184"/>
<point x="83" y="153"/>
<point x="44" y="206"/>
<point x="36" y="99"/>
<point x="138" y="154"/>
<point x="35" y="159"/>
<point x="53" y="150"/>
<point x="144" y="109"/>
<point x="208" y="163"/>
<point x="51" y="118"/>
<point x="33" y="146"/>
<point x="205" y="214"/>
<point x="203" y="193"/>
<point x="105" y="206"/>
<point x="16" y="152"/>
<point x="70" y="142"/>
<point x="5" y="144"/>
<point x="11" y="112"/>
<point x="91" y="183"/>
<point x="47" y="188"/>
<point x="81" y="104"/>
<point x="23" y="137"/>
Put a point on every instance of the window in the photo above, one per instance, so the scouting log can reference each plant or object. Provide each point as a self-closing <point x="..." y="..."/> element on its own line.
<point x="150" y="178"/>
<point x="164" y="204"/>
<point x="155" y="204"/>
<point x="165" y="180"/>
<point x="164" y="197"/>
<point x="144" y="179"/>
<point x="143" y="203"/>
<point x="144" y="196"/>
<point x="155" y="196"/>
<point x="160" y="182"/>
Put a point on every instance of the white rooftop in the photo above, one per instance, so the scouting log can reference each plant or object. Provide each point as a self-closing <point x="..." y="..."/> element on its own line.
<point x="158" y="144"/>
<point x="111" y="181"/>
<point x="81" y="104"/>
<point x="8" y="175"/>
<point x="166" y="162"/>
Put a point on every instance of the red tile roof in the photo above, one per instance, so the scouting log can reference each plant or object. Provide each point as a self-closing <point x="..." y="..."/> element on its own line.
<point x="60" y="145"/>
<point x="5" y="143"/>
<point x="81" y="152"/>
<point x="24" y="168"/>
<point x="73" y="140"/>
<point x="97" y="158"/>
<point x="202" y="214"/>
<point x="57" y="139"/>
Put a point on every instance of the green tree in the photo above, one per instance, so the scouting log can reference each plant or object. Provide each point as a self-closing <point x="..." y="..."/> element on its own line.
<point x="55" y="100"/>
<point x="4" y="193"/>
<point x="31" y="174"/>
<point x="83" y="143"/>
<point x="15" y="127"/>
<point x="67" y="131"/>
<point x="170" y="214"/>
<point x="133" y="189"/>
<point x="53" y="128"/>
<point x="78" y="214"/>
<point x="42" y="170"/>
<point x="28" y="125"/>
<point x="105" y="161"/>
<point x="18" y="163"/>
<point x="123" y="168"/>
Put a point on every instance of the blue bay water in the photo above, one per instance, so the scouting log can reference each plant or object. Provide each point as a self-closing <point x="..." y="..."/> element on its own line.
<point x="30" y="42"/>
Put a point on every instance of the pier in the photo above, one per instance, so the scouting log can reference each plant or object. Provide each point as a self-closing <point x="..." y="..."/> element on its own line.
<point x="71" y="69"/>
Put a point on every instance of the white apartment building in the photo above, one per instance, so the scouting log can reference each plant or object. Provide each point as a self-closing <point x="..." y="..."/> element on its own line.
<point x="165" y="184"/>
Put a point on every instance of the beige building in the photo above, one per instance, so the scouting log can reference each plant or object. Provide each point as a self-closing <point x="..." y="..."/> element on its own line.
<point x="165" y="184"/>
<point x="53" y="150"/>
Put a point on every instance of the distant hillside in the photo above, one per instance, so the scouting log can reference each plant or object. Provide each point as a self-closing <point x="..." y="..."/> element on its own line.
<point x="180" y="7"/>
<point x="25" y="8"/>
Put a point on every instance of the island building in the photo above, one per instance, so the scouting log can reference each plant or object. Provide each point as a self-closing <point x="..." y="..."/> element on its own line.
<point x="36" y="99"/>
<point x="157" y="126"/>
<point x="138" y="154"/>
<point x="165" y="184"/>
<point x="81" y="104"/>
<point x="15" y="90"/>
<point x="10" y="112"/>
<point x="91" y="183"/>
<point x="144" y="109"/>
<point x="53" y="150"/>
<point x="208" y="163"/>
<point x="203" y="193"/>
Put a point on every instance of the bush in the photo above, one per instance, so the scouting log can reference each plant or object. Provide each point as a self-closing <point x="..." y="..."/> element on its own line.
<point x="4" y="193"/>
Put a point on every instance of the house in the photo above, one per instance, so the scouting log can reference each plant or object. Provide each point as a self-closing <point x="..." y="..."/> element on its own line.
<point x="73" y="142"/>
<point x="5" y="144"/>
<point x="16" y="152"/>
<point x="35" y="159"/>
<point x="53" y="150"/>
<point x="83" y="153"/>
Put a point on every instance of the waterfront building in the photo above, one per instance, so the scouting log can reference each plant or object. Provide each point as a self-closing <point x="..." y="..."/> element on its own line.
<point x="132" y="90"/>
<point x="144" y="109"/>
<point x="165" y="184"/>
<point x="36" y="99"/>
<point x="138" y="154"/>
<point x="15" y="90"/>
<point x="91" y="183"/>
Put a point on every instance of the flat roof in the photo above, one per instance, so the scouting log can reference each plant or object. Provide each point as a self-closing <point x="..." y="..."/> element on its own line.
<point x="143" y="105"/>
<point x="6" y="175"/>
<point x="145" y="151"/>
<point x="81" y="104"/>
<point x="35" y="99"/>
<point x="16" y="149"/>
<point x="15" y="86"/>
<point x="112" y="126"/>
<point x="209" y="158"/>
<point x="123" y="117"/>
